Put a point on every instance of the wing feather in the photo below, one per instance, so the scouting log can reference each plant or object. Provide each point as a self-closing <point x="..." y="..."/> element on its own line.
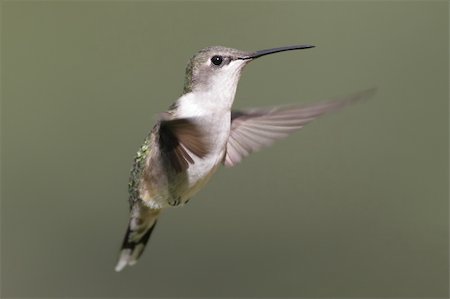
<point x="179" y="139"/>
<point x="254" y="129"/>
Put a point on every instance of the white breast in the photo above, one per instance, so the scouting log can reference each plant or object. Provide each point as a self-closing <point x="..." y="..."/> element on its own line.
<point x="215" y="121"/>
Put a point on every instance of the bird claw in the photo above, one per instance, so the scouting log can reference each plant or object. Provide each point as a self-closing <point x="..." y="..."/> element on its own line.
<point x="175" y="202"/>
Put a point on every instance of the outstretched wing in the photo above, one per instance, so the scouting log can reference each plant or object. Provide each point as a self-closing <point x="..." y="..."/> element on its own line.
<point x="254" y="129"/>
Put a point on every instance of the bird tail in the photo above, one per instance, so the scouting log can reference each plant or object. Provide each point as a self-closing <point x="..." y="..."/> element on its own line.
<point x="142" y="222"/>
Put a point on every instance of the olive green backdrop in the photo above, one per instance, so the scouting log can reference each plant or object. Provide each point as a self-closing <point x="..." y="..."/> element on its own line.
<point x="354" y="205"/>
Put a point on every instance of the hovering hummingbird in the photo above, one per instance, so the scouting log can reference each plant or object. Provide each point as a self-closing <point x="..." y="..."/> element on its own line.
<point x="199" y="133"/>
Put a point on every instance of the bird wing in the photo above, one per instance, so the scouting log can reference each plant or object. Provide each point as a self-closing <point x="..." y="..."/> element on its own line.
<point x="179" y="139"/>
<point x="254" y="129"/>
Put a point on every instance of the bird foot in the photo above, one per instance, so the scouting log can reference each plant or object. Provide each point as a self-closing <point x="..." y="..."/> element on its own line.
<point x="175" y="201"/>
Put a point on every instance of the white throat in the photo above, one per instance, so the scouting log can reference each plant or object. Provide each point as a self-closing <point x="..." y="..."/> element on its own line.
<point x="216" y="96"/>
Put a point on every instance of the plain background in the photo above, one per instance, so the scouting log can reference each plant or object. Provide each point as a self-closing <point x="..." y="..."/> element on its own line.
<point x="354" y="205"/>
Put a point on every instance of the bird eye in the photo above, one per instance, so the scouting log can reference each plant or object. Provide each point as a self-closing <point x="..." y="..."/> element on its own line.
<point x="217" y="60"/>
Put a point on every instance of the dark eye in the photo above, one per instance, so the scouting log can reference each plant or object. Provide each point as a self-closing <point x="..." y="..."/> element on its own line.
<point x="217" y="60"/>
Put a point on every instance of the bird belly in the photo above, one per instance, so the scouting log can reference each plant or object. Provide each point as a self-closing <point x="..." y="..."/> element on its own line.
<point x="176" y="188"/>
<point x="199" y="173"/>
<point x="217" y="131"/>
<point x="181" y="188"/>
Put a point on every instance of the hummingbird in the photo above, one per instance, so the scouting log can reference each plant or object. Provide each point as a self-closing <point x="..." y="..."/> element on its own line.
<point x="200" y="132"/>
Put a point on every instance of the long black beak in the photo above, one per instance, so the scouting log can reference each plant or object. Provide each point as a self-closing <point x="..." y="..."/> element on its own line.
<point x="274" y="50"/>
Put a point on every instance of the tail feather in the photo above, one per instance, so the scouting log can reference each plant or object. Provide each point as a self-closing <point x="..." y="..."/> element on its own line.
<point x="142" y="222"/>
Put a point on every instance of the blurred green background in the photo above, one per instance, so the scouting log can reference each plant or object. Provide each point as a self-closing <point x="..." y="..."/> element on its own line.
<point x="355" y="205"/>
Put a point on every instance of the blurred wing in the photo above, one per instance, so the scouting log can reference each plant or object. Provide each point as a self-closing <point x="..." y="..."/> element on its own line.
<point x="179" y="138"/>
<point x="254" y="129"/>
